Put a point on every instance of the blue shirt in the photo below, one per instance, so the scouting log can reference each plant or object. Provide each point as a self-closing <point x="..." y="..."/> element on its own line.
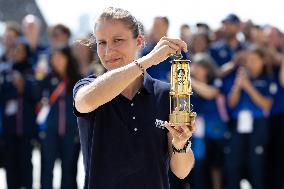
<point x="123" y="143"/>
<point x="261" y="83"/>
<point x="222" y="53"/>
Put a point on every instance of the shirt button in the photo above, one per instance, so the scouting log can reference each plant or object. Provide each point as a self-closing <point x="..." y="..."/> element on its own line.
<point x="135" y="129"/>
<point x="132" y="104"/>
<point x="133" y="117"/>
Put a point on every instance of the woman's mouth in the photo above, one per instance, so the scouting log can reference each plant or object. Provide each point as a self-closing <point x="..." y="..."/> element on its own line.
<point x="111" y="61"/>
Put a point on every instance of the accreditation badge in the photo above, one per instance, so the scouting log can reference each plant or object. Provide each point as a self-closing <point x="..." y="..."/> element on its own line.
<point x="245" y="122"/>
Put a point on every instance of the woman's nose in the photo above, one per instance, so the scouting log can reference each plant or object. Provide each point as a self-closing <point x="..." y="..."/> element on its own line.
<point x="108" y="49"/>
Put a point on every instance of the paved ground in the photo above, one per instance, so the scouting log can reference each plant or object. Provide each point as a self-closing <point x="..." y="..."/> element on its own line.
<point x="57" y="174"/>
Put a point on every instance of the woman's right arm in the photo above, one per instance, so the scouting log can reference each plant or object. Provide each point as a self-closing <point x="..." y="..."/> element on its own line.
<point x="203" y="89"/>
<point x="107" y="86"/>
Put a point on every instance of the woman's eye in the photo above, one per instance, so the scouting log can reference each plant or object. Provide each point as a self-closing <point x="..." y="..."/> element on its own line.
<point x="118" y="40"/>
<point x="101" y="42"/>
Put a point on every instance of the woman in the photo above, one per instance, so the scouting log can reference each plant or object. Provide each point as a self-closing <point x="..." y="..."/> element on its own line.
<point x="122" y="114"/>
<point x="249" y="102"/>
<point x="19" y="98"/>
<point x="59" y="135"/>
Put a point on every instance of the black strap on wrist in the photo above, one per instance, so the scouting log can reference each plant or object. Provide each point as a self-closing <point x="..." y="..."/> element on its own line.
<point x="182" y="150"/>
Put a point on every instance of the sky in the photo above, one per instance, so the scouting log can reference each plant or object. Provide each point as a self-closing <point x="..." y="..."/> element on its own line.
<point x="179" y="12"/>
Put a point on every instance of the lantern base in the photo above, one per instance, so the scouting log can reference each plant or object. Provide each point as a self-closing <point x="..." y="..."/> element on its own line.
<point x="182" y="118"/>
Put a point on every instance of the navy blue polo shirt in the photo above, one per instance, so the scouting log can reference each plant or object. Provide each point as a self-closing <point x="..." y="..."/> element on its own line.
<point x="123" y="143"/>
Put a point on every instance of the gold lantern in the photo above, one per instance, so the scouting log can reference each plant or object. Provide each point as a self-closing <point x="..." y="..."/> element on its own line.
<point x="180" y="92"/>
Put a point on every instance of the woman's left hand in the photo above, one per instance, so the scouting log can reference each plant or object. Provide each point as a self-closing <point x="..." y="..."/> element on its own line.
<point x="180" y="134"/>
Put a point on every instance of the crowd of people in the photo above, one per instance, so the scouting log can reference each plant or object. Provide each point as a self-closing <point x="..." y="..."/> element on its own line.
<point x="237" y="76"/>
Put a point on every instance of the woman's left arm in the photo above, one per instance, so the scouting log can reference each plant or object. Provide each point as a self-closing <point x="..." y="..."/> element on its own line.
<point x="181" y="163"/>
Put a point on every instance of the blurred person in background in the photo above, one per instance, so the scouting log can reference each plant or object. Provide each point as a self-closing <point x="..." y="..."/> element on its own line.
<point x="257" y="36"/>
<point x="1" y="110"/>
<point x="274" y="38"/>
<point x="59" y="36"/>
<point x="275" y="160"/>
<point x="2" y="147"/>
<point x="223" y="50"/>
<point x="249" y="102"/>
<point x="199" y="43"/>
<point x="246" y="28"/>
<point x="218" y="35"/>
<point x="202" y="27"/>
<point x="87" y="58"/>
<point x="206" y="85"/>
<point x="19" y="98"/>
<point x="11" y="35"/>
<point x="59" y="132"/>
<point x="31" y="27"/>
<point x="122" y="113"/>
<point x="159" y="29"/>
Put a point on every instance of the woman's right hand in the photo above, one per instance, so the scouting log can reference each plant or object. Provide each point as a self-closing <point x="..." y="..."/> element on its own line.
<point x="167" y="47"/>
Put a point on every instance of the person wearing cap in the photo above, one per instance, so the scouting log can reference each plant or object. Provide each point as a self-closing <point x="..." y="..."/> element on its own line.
<point x="224" y="50"/>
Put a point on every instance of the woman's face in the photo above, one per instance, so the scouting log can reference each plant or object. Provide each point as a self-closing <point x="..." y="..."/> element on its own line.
<point x="254" y="64"/>
<point x="115" y="44"/>
<point x="59" y="62"/>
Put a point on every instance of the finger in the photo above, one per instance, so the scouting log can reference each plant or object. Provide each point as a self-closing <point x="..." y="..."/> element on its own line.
<point x="172" y="45"/>
<point x="171" y="129"/>
<point x="168" y="50"/>
<point x="178" y="42"/>
<point x="186" y="130"/>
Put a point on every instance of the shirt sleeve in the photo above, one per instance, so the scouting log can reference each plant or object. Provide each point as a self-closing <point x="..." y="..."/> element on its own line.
<point x="81" y="83"/>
